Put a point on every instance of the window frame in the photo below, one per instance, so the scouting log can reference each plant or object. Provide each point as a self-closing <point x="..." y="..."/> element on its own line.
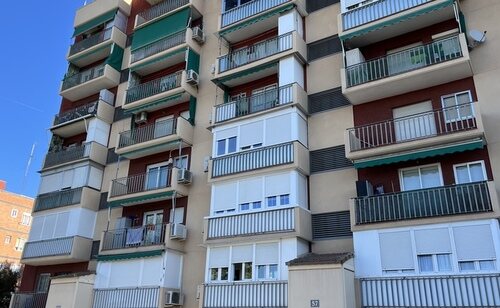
<point x="219" y="274"/>
<point x="243" y="265"/>
<point x="477" y="266"/>
<point x="459" y="117"/>
<point x="25" y="219"/>
<point x="7" y="240"/>
<point x="467" y="164"/>
<point x="226" y="146"/>
<point x="400" y="173"/>
<point x="267" y="276"/>
<point x="14" y="213"/>
<point x="435" y="263"/>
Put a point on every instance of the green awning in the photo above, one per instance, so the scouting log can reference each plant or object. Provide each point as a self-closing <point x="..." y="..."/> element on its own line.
<point x="149" y="148"/>
<point x="244" y="73"/>
<point x="161" y="28"/>
<point x="378" y="161"/>
<point x="193" y="61"/>
<point x="132" y="255"/>
<point x="256" y="19"/>
<point x="391" y="22"/>
<point x="192" y="109"/>
<point x="151" y="62"/>
<point x="141" y="199"/>
<point x="95" y="22"/>
<point x="160" y="102"/>
<point x="115" y="58"/>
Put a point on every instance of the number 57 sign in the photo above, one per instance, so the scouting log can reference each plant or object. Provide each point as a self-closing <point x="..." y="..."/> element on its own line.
<point x="314" y="303"/>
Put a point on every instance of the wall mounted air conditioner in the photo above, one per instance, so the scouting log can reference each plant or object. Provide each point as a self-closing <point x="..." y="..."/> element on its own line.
<point x="198" y="35"/>
<point x="192" y="77"/>
<point x="173" y="298"/>
<point x="178" y="231"/>
<point x="184" y="176"/>
<point x="141" y="118"/>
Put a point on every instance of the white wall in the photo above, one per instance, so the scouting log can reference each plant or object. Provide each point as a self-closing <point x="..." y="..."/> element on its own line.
<point x="73" y="176"/>
<point x="368" y="255"/>
<point x="291" y="71"/>
<point x="98" y="131"/>
<point x="291" y="21"/>
<point x="75" y="222"/>
<point x="230" y="194"/>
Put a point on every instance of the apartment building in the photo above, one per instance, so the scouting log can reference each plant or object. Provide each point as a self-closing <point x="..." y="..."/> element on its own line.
<point x="15" y="212"/>
<point x="284" y="153"/>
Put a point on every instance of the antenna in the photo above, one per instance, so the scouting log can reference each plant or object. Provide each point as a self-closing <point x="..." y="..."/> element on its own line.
<point x="28" y="166"/>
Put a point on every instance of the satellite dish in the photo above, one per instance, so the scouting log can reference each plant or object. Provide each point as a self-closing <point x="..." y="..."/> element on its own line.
<point x="478" y="36"/>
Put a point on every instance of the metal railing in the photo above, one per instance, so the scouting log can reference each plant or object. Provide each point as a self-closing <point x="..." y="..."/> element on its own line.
<point x="134" y="237"/>
<point x="83" y="77"/>
<point x="78" y="112"/>
<point x="91" y="41"/>
<point x="404" y="61"/>
<point x="143" y="182"/>
<point x="48" y="248"/>
<point x="255" y="103"/>
<point x="68" y="155"/>
<point x="29" y="300"/>
<point x="415" y="127"/>
<point x="159" y="46"/>
<point x="377" y="10"/>
<point x="154" y="87"/>
<point x="255" y="52"/>
<point x="159" y="9"/>
<point x="433" y="291"/>
<point x="148" y="132"/>
<point x="259" y="158"/>
<point x="247" y="10"/>
<point x="272" y="221"/>
<point x="143" y="297"/>
<point x="438" y="201"/>
<point x="58" y="199"/>
<point x="246" y="294"/>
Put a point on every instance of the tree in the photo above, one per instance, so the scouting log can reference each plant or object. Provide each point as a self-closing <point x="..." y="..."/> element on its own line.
<point x="8" y="282"/>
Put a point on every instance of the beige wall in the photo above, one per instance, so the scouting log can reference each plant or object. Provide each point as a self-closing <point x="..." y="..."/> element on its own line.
<point x="71" y="292"/>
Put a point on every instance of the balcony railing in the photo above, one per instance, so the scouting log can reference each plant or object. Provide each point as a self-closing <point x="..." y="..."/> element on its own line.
<point x="258" y="102"/>
<point x="424" y="125"/>
<point x="159" y="46"/>
<point x="243" y="161"/>
<point x="144" y="182"/>
<point x="256" y="52"/>
<point x="76" y="113"/>
<point x="273" y="221"/>
<point x="58" y="199"/>
<point x="404" y="61"/>
<point x="246" y="294"/>
<point x="147" y="133"/>
<point x="134" y="237"/>
<point x="29" y="300"/>
<point x="68" y="155"/>
<point x="145" y="297"/>
<point x="154" y="87"/>
<point x="247" y="10"/>
<point x="432" y="202"/>
<point x="159" y="9"/>
<point x="433" y="291"/>
<point x="90" y="41"/>
<point x="48" y="248"/>
<point x="377" y="10"/>
<point x="83" y="77"/>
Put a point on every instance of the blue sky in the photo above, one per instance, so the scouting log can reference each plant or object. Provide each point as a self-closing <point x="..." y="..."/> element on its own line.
<point x="35" y="40"/>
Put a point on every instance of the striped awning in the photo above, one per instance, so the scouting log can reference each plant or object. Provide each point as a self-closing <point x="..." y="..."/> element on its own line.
<point x="152" y="197"/>
<point x="132" y="255"/>
<point x="256" y="69"/>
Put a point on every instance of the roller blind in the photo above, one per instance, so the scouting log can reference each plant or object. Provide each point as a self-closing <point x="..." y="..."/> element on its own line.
<point x="250" y="190"/>
<point x="61" y="224"/>
<point x="242" y="254"/>
<point x="474" y="243"/>
<point x="267" y="253"/>
<point x="396" y="251"/>
<point x="277" y="185"/>
<point x="219" y="257"/>
<point x="224" y="196"/>
<point x="433" y="241"/>
<point x="49" y="225"/>
<point x="251" y="133"/>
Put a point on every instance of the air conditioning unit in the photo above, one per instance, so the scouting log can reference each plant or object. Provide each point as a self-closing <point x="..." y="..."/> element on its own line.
<point x="173" y="298"/>
<point x="178" y="231"/>
<point x="141" y="118"/>
<point x="198" y="35"/>
<point x="192" y="77"/>
<point x="184" y="176"/>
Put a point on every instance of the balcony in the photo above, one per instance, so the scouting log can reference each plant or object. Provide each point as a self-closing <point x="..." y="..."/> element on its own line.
<point x="295" y="220"/>
<point x="437" y="128"/>
<point x="70" y="249"/>
<point x="161" y="8"/>
<point x="289" y="95"/>
<point x="28" y="300"/>
<point x="466" y="291"/>
<point x="383" y="19"/>
<point x="98" y="8"/>
<point x="252" y="59"/>
<point x="90" y="150"/>
<point x="416" y="68"/>
<point x="246" y="294"/>
<point x="478" y="199"/>
<point x="73" y="122"/>
<point x="141" y="297"/>
<point x="84" y="197"/>
<point x="155" y="138"/>
<point x="96" y="47"/>
<point x="171" y="90"/>
<point x="291" y="155"/>
<point x="147" y="187"/>
<point x="163" y="53"/>
<point x="88" y="82"/>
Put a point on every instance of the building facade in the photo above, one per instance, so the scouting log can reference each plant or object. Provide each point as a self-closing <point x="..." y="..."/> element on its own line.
<point x="284" y="153"/>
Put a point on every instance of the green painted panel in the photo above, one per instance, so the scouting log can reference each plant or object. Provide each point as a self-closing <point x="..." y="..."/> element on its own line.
<point x="134" y="200"/>
<point x="132" y="255"/>
<point x="115" y="58"/>
<point x="193" y="61"/>
<point x="192" y="109"/>
<point x="95" y="22"/>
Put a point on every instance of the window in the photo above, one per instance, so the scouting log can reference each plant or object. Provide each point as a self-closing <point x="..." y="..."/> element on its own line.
<point x="278" y="200"/>
<point x="20" y="244"/>
<point x="181" y="162"/>
<point x="475" y="266"/>
<point x="434" y="263"/>
<point x="269" y="271"/>
<point x="219" y="274"/>
<point x="470" y="172"/>
<point x="157" y="176"/>
<point x="231" y="4"/>
<point x="7" y="239"/>
<point x="244" y="206"/>
<point x="43" y="282"/>
<point x="285" y="199"/>
<point x="13" y="213"/>
<point x="253" y="146"/>
<point x="420" y="177"/>
<point x="226" y="146"/>
<point x="26" y="219"/>
<point x="457" y="106"/>
<point x="227" y="211"/>
<point x="271" y="201"/>
<point x="242" y="271"/>
<point x="250" y="206"/>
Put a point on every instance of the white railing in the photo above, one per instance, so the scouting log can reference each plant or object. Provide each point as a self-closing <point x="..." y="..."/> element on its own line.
<point x="271" y="221"/>
<point x="134" y="237"/>
<point x="127" y="298"/>
<point x="48" y="248"/>
<point x="247" y="10"/>
<point x="468" y="291"/>
<point x="247" y="295"/>
<point x="148" y="132"/>
<point x="143" y="182"/>
<point x="29" y="300"/>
